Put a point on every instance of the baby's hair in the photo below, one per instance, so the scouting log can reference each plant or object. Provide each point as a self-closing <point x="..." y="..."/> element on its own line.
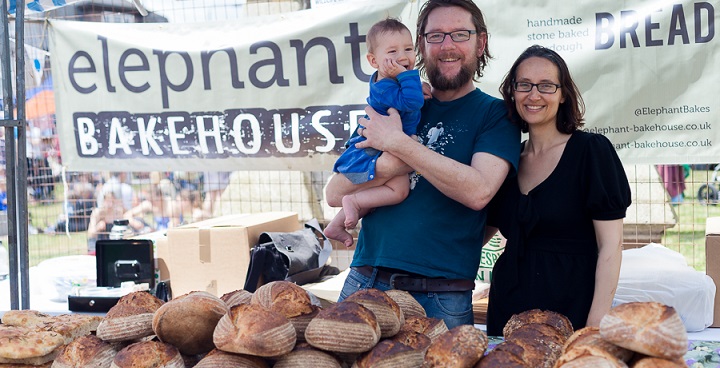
<point x="386" y="25"/>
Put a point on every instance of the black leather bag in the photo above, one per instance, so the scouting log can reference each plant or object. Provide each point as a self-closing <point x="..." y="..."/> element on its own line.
<point x="299" y="256"/>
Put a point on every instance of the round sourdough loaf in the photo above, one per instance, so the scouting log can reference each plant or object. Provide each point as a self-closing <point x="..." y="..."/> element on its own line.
<point x="386" y="310"/>
<point x="236" y="297"/>
<point x="650" y="328"/>
<point x="251" y="329"/>
<point x="554" y="319"/>
<point x="589" y="356"/>
<point x="154" y="354"/>
<point x="86" y="352"/>
<point x="344" y="327"/>
<point x="406" y="302"/>
<point x="431" y="327"/>
<point x="131" y="318"/>
<point x="501" y="359"/>
<point x="590" y="336"/>
<point x="188" y="321"/>
<point x="542" y="343"/>
<point x="220" y="359"/>
<point x="290" y="300"/>
<point x="461" y="346"/>
<point x="653" y="362"/>
<point x="305" y="355"/>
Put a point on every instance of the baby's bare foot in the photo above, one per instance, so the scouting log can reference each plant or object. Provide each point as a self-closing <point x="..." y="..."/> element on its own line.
<point x="338" y="233"/>
<point x="352" y="211"/>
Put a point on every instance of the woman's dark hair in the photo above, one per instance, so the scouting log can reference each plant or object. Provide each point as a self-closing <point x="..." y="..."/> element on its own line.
<point x="570" y="113"/>
<point x="478" y="22"/>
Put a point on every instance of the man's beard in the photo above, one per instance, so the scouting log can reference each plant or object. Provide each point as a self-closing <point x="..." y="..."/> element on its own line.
<point x="440" y="82"/>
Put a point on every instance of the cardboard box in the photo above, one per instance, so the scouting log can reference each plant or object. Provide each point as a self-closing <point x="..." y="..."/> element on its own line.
<point x="214" y="255"/>
<point x="712" y="261"/>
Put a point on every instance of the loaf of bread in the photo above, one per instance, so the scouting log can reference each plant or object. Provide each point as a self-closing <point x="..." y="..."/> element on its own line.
<point x="431" y="327"/>
<point x="650" y="328"/>
<point x="502" y="358"/>
<point x="22" y="345"/>
<point x="386" y="310"/>
<point x="148" y="354"/>
<point x="290" y="300"/>
<point x="251" y="329"/>
<point x="131" y="318"/>
<point x="653" y="362"/>
<point x="86" y="352"/>
<point x="461" y="346"/>
<point x="554" y="319"/>
<point x="390" y="353"/>
<point x="589" y="356"/>
<point x="220" y="359"/>
<point x="344" y="327"/>
<point x="590" y="336"/>
<point x="284" y="297"/>
<point x="406" y="302"/>
<point x="236" y="297"/>
<point x="542" y="343"/>
<point x="188" y="321"/>
<point x="305" y="355"/>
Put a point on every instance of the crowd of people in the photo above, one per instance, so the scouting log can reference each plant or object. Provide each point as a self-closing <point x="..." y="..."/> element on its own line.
<point x="95" y="201"/>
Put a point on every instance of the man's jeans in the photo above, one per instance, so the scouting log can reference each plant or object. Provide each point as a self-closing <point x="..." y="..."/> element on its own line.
<point x="454" y="307"/>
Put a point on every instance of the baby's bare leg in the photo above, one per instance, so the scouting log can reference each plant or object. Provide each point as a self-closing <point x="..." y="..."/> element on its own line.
<point x="359" y="204"/>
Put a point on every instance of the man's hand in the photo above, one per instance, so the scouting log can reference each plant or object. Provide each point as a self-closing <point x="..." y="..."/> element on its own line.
<point x="382" y="132"/>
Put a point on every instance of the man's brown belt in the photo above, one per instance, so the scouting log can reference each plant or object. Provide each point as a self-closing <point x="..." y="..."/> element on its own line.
<point x="414" y="283"/>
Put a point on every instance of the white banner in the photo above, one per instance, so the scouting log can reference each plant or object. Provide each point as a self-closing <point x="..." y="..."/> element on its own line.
<point x="280" y="92"/>
<point x="284" y="92"/>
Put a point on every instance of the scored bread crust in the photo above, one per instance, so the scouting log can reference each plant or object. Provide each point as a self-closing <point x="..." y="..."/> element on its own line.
<point x="407" y="303"/>
<point x="148" y="354"/>
<point x="461" y="346"/>
<point x="344" y="327"/>
<point x="431" y="327"/>
<point x="386" y="310"/>
<point x="305" y="355"/>
<point x="548" y="317"/>
<point x="131" y="318"/>
<point x="590" y="336"/>
<point x="254" y="330"/>
<point x="188" y="321"/>
<point x="220" y="359"/>
<point x="587" y="354"/>
<point x="650" y="328"/>
<point x="86" y="351"/>
<point x="236" y="297"/>
<point x="284" y="297"/>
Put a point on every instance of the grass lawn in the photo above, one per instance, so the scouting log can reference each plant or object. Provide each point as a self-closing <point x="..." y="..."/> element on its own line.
<point x="686" y="237"/>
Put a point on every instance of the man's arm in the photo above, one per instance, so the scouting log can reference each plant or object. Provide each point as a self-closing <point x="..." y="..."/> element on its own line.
<point x="472" y="185"/>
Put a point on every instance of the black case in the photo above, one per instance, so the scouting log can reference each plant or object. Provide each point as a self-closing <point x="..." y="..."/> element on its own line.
<point x="117" y="261"/>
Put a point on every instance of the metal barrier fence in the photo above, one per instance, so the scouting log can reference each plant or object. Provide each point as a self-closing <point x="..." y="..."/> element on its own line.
<point x="61" y="204"/>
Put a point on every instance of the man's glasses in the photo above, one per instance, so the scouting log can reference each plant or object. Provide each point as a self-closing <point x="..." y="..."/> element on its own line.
<point x="457" y="36"/>
<point x="547" y="88"/>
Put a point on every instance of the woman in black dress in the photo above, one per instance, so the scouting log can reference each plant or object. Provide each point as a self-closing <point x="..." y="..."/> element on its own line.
<point x="563" y="213"/>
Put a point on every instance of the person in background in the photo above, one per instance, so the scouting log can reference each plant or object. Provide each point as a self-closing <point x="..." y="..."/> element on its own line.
<point x="562" y="215"/>
<point x="159" y="206"/>
<point x="673" y="177"/>
<point x="101" y="220"/>
<point x="430" y="243"/>
<point x="117" y="183"/>
<point x="214" y="184"/>
<point x="395" y="84"/>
